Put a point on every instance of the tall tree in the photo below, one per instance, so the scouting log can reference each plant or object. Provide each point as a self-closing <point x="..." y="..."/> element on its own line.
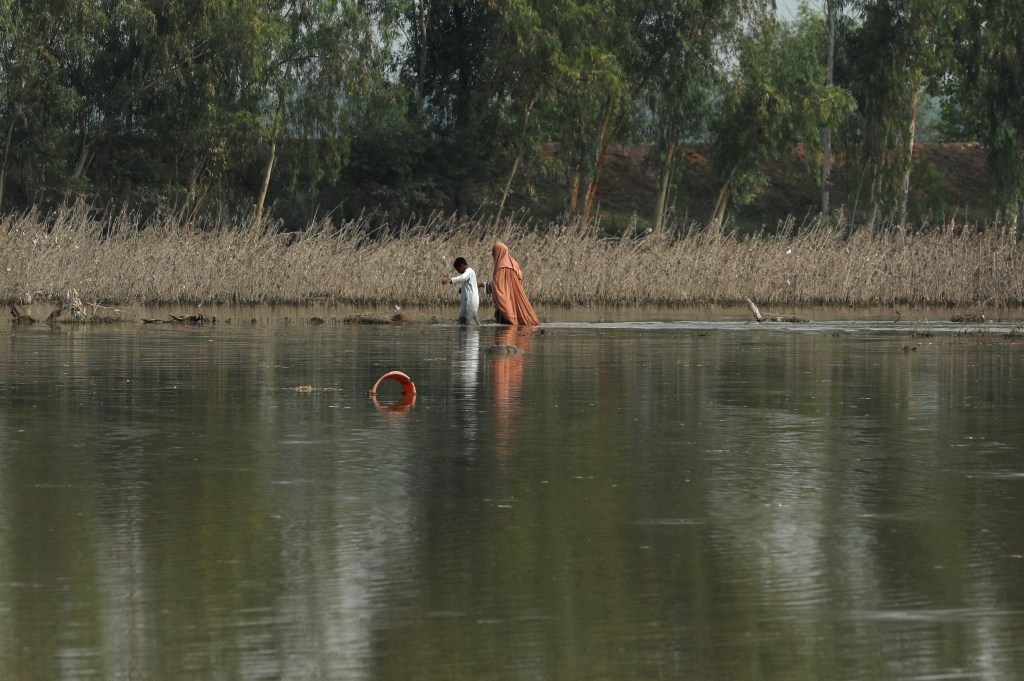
<point x="684" y="44"/>
<point x="528" y="58"/>
<point x="775" y="99"/>
<point x="893" y="55"/>
<point x="41" y="43"/>
<point x="987" y="92"/>
<point x="320" y="57"/>
<point x="447" y="61"/>
<point x="168" y="94"/>
<point x="832" y="9"/>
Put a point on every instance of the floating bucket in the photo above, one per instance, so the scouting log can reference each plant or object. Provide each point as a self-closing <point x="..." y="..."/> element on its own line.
<point x="408" y="391"/>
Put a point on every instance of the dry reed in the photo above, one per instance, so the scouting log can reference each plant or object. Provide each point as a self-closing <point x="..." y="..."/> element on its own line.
<point x="158" y="261"/>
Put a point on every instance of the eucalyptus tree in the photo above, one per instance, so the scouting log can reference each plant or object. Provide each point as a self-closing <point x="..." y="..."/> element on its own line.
<point x="41" y="43"/>
<point x="775" y="98"/>
<point x="477" y="71"/>
<point x="835" y="20"/>
<point x="685" y="44"/>
<point x="894" y="53"/>
<point x="443" y="65"/>
<point x="132" y="93"/>
<point x="528" y="57"/>
<point x="173" y="95"/>
<point x="497" y="78"/>
<point x="320" y="60"/>
<point x="987" y="90"/>
<point x="597" y="94"/>
<point x="650" y="65"/>
<point x="833" y="8"/>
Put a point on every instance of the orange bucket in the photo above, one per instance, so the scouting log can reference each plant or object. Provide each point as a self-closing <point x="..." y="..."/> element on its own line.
<point x="408" y="390"/>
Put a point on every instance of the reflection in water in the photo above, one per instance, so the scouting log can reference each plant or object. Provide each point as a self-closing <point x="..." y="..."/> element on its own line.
<point x="465" y="377"/>
<point x="507" y="378"/>
<point x="722" y="504"/>
<point x="467" y="363"/>
<point x="164" y="527"/>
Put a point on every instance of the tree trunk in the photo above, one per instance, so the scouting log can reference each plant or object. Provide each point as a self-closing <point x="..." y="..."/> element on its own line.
<point x="826" y="133"/>
<point x="873" y="191"/>
<point x="5" y="163"/>
<point x="508" y="188"/>
<point x="909" y="161"/>
<point x="421" y="76"/>
<point x="826" y="168"/>
<point x="515" y="165"/>
<point x="84" y="159"/>
<point x="274" y="132"/>
<point x="192" y="204"/>
<point x="722" y="202"/>
<point x="265" y="185"/>
<point x="599" y="161"/>
<point x="574" y="194"/>
<point x="666" y="181"/>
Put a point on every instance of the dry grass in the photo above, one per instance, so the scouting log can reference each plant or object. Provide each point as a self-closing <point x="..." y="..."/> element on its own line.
<point x="125" y="262"/>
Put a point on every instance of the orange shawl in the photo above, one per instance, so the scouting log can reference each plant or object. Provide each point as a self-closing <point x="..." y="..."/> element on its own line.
<point x="510" y="301"/>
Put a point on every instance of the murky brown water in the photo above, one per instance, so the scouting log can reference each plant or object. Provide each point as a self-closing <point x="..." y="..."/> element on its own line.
<point x="631" y="499"/>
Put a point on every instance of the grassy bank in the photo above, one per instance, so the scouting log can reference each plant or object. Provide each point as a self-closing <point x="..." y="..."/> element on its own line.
<point x="123" y="262"/>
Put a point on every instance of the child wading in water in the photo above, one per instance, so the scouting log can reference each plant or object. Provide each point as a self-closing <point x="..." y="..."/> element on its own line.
<point x="468" y="295"/>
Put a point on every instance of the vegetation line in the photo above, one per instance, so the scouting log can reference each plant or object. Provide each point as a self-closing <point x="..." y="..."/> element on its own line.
<point x="163" y="260"/>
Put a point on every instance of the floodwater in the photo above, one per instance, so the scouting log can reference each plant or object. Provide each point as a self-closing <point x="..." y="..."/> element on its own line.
<point x="664" y="499"/>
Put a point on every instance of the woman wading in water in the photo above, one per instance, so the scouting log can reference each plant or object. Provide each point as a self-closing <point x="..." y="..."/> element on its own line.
<point x="511" y="306"/>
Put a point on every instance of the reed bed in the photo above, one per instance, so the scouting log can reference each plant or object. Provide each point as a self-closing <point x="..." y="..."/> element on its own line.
<point x="126" y="260"/>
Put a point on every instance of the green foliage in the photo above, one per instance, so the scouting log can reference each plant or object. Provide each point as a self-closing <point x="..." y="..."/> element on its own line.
<point x="417" y="106"/>
<point x="987" y="90"/>
<point x="892" y="55"/>
<point x="776" y="98"/>
<point x="45" y="46"/>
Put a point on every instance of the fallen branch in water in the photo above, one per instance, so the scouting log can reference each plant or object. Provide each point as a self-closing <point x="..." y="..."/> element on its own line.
<point x="194" y="320"/>
<point x="773" y="318"/>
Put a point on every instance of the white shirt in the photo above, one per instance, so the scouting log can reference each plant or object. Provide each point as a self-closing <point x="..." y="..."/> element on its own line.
<point x="468" y="294"/>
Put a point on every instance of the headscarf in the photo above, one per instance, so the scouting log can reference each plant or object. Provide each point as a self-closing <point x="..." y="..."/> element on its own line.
<point x="503" y="258"/>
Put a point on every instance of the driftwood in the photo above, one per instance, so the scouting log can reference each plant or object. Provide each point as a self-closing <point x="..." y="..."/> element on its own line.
<point x="194" y="320"/>
<point x="773" y="318"/>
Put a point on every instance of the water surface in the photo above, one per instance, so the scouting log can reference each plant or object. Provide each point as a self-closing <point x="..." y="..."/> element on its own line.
<point x="634" y="499"/>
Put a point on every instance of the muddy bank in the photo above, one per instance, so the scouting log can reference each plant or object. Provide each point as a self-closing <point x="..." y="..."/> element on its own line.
<point x="42" y="314"/>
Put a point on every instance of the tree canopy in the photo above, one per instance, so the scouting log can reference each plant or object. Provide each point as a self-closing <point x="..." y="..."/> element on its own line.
<point x="406" y="107"/>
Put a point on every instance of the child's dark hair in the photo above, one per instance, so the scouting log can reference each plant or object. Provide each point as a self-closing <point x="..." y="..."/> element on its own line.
<point x="460" y="261"/>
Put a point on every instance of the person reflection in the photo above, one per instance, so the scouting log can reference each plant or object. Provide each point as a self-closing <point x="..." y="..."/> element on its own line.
<point x="467" y="369"/>
<point x="507" y="377"/>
